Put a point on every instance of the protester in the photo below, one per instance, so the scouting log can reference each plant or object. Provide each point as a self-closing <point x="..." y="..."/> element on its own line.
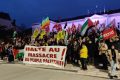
<point x="75" y="52"/>
<point x="4" y="50"/>
<point x="69" y="51"/>
<point x="102" y="52"/>
<point x="10" y="54"/>
<point x="116" y="44"/>
<point x="113" y="58"/>
<point x="0" y="50"/>
<point x="84" y="56"/>
<point x="96" y="54"/>
<point x="91" y="51"/>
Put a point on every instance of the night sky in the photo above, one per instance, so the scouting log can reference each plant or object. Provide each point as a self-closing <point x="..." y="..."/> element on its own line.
<point x="31" y="11"/>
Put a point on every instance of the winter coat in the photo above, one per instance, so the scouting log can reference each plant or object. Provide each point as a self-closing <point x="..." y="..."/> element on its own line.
<point x="84" y="52"/>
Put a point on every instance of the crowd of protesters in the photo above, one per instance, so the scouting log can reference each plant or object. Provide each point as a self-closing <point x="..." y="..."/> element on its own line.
<point x="7" y="47"/>
<point x="88" y="50"/>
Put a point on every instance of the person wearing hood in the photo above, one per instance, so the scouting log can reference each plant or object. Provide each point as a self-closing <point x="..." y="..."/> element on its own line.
<point x="84" y="56"/>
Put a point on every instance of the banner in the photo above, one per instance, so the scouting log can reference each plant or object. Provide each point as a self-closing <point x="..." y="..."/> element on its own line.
<point x="108" y="33"/>
<point x="48" y="55"/>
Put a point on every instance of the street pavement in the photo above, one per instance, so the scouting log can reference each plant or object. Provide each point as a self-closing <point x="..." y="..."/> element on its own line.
<point x="20" y="71"/>
<point x="92" y="71"/>
<point x="30" y="72"/>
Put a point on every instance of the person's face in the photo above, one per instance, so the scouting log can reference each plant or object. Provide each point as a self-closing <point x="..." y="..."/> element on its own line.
<point x="110" y="40"/>
<point x="80" y="39"/>
<point x="83" y="46"/>
<point x="75" y="42"/>
<point x="113" y="47"/>
<point x="69" y="39"/>
<point x="102" y="43"/>
<point x="117" y="39"/>
<point x="10" y="47"/>
<point x="73" y="36"/>
<point x="90" y="42"/>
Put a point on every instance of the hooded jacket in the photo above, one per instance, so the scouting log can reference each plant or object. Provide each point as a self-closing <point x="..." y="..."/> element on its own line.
<point x="84" y="52"/>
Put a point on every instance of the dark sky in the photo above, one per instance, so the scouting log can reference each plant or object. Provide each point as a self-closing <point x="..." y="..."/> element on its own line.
<point x="30" y="11"/>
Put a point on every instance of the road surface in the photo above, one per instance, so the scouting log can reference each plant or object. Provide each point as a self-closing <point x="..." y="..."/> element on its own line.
<point x="23" y="72"/>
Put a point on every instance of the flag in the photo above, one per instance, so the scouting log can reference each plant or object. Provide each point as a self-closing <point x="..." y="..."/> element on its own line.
<point x="35" y="33"/>
<point x="60" y="35"/>
<point x="94" y="29"/>
<point x="58" y="27"/>
<point x="102" y="27"/>
<point x="96" y="22"/>
<point x="99" y="38"/>
<point x="73" y="28"/>
<point x="47" y="29"/>
<point x="63" y="34"/>
<point x="36" y="25"/>
<point x="14" y="34"/>
<point x="18" y="53"/>
<point x="45" y="23"/>
<point x="85" y="26"/>
<point x="42" y="33"/>
<point x="111" y="24"/>
<point x="96" y="25"/>
<point x="55" y="27"/>
<point x="65" y="25"/>
<point x="68" y="30"/>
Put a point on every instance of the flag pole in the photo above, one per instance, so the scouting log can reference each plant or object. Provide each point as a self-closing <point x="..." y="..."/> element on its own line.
<point x="96" y="9"/>
<point x="88" y="12"/>
<point x="100" y="11"/>
<point x="104" y="10"/>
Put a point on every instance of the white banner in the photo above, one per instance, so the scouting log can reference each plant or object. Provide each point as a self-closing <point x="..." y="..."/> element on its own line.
<point x="48" y="55"/>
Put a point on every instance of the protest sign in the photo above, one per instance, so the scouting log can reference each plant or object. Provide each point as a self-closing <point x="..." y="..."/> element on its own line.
<point x="48" y="55"/>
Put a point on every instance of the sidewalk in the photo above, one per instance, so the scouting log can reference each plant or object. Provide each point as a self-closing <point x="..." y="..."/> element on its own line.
<point x="92" y="71"/>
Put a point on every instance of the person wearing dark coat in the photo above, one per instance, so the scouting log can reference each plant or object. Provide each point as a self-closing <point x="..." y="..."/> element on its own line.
<point x="10" y="54"/>
<point x="76" y="53"/>
<point x="91" y="51"/>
